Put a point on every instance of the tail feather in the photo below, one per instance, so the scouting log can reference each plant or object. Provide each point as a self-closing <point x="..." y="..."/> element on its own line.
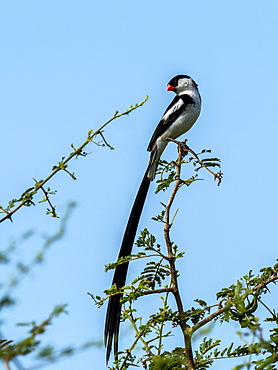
<point x="152" y="170"/>
<point x="153" y="164"/>
<point x="112" y="323"/>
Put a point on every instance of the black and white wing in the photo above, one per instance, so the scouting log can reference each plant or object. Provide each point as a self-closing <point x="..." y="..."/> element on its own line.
<point x="176" y="107"/>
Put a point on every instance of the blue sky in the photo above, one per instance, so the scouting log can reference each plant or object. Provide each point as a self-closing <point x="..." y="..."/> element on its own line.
<point x="66" y="66"/>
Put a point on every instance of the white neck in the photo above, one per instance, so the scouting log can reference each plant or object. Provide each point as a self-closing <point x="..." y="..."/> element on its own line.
<point x="193" y="92"/>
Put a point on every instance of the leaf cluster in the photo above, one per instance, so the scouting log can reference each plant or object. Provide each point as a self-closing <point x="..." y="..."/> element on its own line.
<point x="29" y="344"/>
<point x="167" y="170"/>
<point x="21" y="268"/>
<point x="197" y="314"/>
<point x="153" y="275"/>
<point x="174" y="360"/>
<point x="209" y="351"/>
<point x="245" y="296"/>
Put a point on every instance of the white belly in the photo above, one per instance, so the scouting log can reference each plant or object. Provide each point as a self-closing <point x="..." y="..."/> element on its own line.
<point x="180" y="127"/>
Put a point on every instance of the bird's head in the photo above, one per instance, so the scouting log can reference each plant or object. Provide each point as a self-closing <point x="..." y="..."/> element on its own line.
<point x="181" y="83"/>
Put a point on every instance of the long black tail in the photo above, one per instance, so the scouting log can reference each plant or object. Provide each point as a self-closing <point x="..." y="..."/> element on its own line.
<point x="112" y="323"/>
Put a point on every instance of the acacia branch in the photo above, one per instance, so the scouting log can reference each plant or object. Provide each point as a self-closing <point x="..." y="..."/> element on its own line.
<point x="171" y="258"/>
<point x="217" y="175"/>
<point x="210" y="317"/>
<point x="265" y="283"/>
<point x="186" y="330"/>
<point x="185" y="149"/>
<point x="162" y="290"/>
<point x="230" y="304"/>
<point x="62" y="165"/>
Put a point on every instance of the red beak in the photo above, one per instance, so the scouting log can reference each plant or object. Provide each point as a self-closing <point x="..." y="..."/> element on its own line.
<point x="170" y="87"/>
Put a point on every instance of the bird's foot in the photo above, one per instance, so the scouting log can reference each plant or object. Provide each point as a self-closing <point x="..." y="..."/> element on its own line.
<point x="183" y="148"/>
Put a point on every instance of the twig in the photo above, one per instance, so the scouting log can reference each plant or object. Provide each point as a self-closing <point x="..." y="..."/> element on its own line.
<point x="264" y="284"/>
<point x="162" y="290"/>
<point x="159" y="347"/>
<point x="53" y="212"/>
<point x="210" y="317"/>
<point x="105" y="141"/>
<point x="61" y="165"/>
<point x="185" y="149"/>
<point x="139" y="335"/>
<point x="267" y="308"/>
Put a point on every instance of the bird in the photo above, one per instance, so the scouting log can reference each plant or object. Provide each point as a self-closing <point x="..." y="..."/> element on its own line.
<point x="178" y="118"/>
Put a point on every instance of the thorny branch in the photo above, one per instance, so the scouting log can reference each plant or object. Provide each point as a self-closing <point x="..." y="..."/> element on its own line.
<point x="27" y="200"/>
